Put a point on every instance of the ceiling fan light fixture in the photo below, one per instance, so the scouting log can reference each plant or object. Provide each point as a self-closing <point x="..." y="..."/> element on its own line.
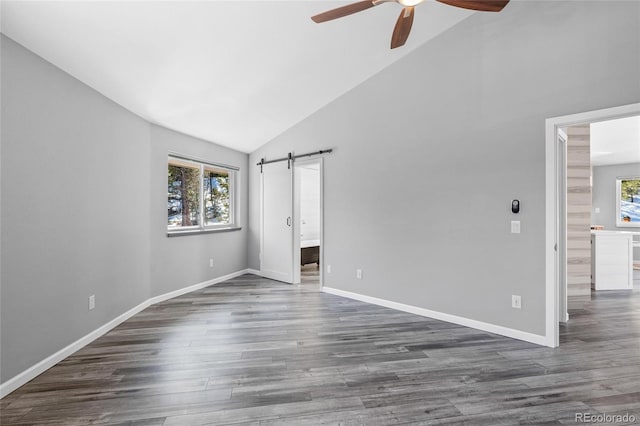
<point x="408" y="3"/>
<point x="405" y="20"/>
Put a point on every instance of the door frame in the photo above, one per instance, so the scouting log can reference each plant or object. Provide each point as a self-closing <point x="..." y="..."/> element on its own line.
<point x="562" y="229"/>
<point x="296" y="219"/>
<point x="555" y="186"/>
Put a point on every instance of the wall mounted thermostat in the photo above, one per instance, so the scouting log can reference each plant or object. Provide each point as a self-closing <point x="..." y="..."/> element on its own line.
<point x="515" y="206"/>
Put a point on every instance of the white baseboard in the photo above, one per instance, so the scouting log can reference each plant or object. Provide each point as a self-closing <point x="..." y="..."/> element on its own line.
<point x="254" y="272"/>
<point x="492" y="328"/>
<point x="32" y="372"/>
<point x="180" y="292"/>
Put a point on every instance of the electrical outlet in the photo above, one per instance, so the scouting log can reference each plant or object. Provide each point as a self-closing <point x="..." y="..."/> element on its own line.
<point x="92" y="301"/>
<point x="516" y="301"/>
<point x="359" y="274"/>
<point x="211" y="263"/>
<point x="328" y="269"/>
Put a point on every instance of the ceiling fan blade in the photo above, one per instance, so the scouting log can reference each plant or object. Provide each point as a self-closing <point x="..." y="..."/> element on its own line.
<point x="343" y="11"/>
<point x="403" y="27"/>
<point x="481" y="5"/>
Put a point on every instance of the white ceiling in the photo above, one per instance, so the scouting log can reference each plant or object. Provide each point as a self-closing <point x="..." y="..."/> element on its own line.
<point x="615" y="141"/>
<point x="237" y="73"/>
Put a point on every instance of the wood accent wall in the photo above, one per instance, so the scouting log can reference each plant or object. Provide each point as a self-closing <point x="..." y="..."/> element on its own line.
<point x="578" y="216"/>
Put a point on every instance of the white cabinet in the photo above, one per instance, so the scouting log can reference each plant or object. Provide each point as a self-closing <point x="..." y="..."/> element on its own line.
<point x="612" y="260"/>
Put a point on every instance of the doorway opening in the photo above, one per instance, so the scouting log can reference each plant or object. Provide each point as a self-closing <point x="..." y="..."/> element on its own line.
<point x="308" y="221"/>
<point x="291" y="219"/>
<point x="569" y="264"/>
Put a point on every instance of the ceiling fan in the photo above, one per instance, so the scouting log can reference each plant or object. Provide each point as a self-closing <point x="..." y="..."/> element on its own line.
<point x="405" y="20"/>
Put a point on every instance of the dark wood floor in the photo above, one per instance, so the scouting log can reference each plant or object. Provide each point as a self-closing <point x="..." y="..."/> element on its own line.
<point x="256" y="352"/>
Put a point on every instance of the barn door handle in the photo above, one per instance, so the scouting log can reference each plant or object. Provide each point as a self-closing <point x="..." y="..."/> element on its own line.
<point x="289" y="221"/>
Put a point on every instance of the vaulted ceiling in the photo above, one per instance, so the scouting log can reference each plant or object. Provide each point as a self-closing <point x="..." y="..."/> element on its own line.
<point x="237" y="73"/>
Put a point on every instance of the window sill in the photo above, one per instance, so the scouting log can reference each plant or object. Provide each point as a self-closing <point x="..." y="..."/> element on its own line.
<point x="172" y="234"/>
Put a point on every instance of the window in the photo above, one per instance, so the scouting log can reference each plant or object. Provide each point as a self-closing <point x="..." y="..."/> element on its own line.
<point x="200" y="196"/>
<point x="628" y="201"/>
<point x="216" y="196"/>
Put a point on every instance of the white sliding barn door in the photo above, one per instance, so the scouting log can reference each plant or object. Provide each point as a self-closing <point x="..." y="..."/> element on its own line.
<point x="276" y="239"/>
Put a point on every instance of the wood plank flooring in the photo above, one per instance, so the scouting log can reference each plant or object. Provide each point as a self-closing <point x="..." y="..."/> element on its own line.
<point x="310" y="274"/>
<point x="251" y="351"/>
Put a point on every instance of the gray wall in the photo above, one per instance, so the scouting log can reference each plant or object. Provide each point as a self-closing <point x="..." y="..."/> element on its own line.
<point x="75" y="203"/>
<point x="430" y="152"/>
<point x="83" y="211"/>
<point x="604" y="196"/>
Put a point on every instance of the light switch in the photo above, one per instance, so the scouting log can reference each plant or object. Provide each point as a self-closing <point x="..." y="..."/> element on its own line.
<point x="515" y="226"/>
<point x="597" y="209"/>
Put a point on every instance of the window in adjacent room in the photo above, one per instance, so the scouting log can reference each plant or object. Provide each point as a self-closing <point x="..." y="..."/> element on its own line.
<point x="200" y="195"/>
<point x="628" y="201"/>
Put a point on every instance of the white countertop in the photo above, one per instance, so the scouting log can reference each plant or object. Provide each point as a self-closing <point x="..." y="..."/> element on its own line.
<point x="309" y="243"/>
<point x="604" y="232"/>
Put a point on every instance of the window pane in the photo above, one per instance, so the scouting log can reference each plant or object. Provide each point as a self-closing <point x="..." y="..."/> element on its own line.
<point x="183" y="196"/>
<point x="629" y="202"/>
<point x="216" y="196"/>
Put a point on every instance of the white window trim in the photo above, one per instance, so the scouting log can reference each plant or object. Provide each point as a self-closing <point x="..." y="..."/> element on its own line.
<point x="234" y="180"/>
